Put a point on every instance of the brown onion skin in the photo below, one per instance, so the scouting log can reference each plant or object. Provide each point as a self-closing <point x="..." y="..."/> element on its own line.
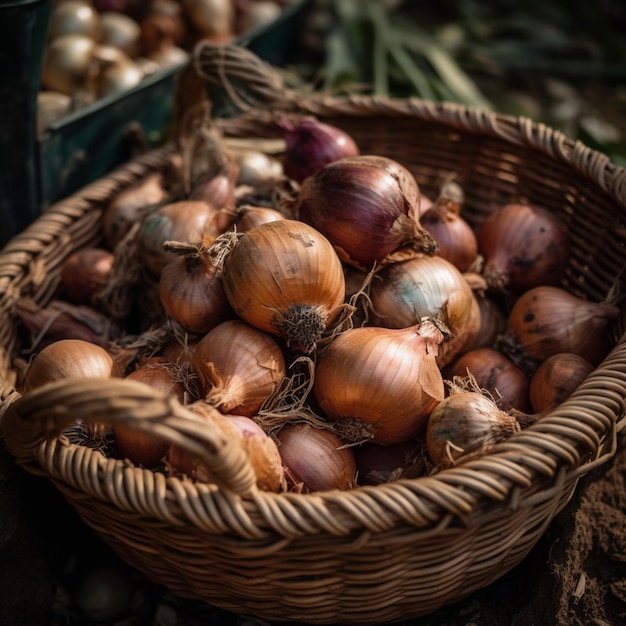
<point x="239" y="366"/>
<point x="192" y="293"/>
<point x="86" y="272"/>
<point x="185" y="221"/>
<point x="556" y="379"/>
<point x="377" y="464"/>
<point x="250" y="216"/>
<point x="523" y="246"/>
<point x="311" y="144"/>
<point x="547" y="320"/>
<point x="140" y="447"/>
<point x="386" y="379"/>
<point x="125" y="208"/>
<point x="368" y="208"/>
<point x="497" y="374"/>
<point x="316" y="459"/>
<point x="69" y="358"/>
<point x="284" y="278"/>
<point x="489" y="325"/>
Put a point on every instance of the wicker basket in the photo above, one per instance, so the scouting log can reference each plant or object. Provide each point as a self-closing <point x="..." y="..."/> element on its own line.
<point x="374" y="554"/>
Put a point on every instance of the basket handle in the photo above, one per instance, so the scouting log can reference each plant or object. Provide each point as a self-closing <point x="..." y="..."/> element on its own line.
<point x="238" y="81"/>
<point x="43" y="413"/>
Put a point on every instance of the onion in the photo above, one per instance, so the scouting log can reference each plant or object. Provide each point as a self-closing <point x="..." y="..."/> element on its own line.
<point x="262" y="451"/>
<point x="250" y="216"/>
<point x="185" y="221"/>
<point x="523" y="246"/>
<point x="311" y="145"/>
<point x="257" y="168"/>
<point x="239" y="367"/>
<point x="74" y="17"/>
<point x="162" y="26"/>
<point x="84" y="273"/>
<point x="377" y="464"/>
<point x="455" y="238"/>
<point x="120" y="31"/>
<point x="191" y="291"/>
<point x="316" y="459"/>
<point x="466" y="422"/>
<point x="140" y="447"/>
<point x="169" y="56"/>
<point x="126" y="208"/>
<point x="284" y="278"/>
<point x="489" y="323"/>
<point x="386" y="379"/>
<point x="118" y="77"/>
<point x="403" y="293"/>
<point x="556" y="379"/>
<point x="69" y="358"/>
<point x="495" y="373"/>
<point x="367" y="206"/>
<point x="66" y="62"/>
<point x="547" y="320"/>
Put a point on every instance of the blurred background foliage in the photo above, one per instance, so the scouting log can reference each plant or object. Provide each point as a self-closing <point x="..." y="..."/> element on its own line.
<point x="559" y="62"/>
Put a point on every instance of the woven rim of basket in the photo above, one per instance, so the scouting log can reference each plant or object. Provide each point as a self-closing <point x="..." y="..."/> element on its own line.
<point x="530" y="467"/>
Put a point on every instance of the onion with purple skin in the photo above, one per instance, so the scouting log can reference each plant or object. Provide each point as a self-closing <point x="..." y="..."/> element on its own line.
<point x="368" y="208"/>
<point x="311" y="145"/>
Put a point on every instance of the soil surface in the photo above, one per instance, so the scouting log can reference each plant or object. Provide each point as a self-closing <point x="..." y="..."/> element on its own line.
<point x="61" y="574"/>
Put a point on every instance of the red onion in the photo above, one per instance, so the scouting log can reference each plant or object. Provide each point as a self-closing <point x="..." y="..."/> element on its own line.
<point x="312" y="144"/>
<point x="367" y="207"/>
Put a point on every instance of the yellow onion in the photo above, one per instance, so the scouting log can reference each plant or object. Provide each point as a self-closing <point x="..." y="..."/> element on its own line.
<point x="285" y="278"/>
<point x="250" y="216"/>
<point x="261" y="450"/>
<point x="239" y="367"/>
<point x="488" y="323"/>
<point x="385" y="379"/>
<point x="66" y="62"/>
<point x="547" y="320"/>
<point x="118" y="76"/>
<point x="69" y="358"/>
<point x="191" y="291"/>
<point x="523" y="246"/>
<point x="74" y="17"/>
<point x="315" y="459"/>
<point x="256" y="168"/>
<point x="495" y="373"/>
<point x="368" y="208"/>
<point x="466" y="422"/>
<point x="126" y="208"/>
<point x="211" y="18"/>
<point x="403" y="293"/>
<point x="120" y="31"/>
<point x="184" y="221"/>
<point x="556" y="379"/>
<point x="138" y="446"/>
<point x="86" y="272"/>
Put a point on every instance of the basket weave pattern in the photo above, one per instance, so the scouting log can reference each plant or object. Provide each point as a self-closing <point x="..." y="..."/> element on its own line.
<point x="373" y="554"/>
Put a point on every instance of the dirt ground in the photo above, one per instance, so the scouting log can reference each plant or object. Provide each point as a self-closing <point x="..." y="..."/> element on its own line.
<point x="575" y="575"/>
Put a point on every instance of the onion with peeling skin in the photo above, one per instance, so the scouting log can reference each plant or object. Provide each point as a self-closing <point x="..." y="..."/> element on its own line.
<point x="384" y="379"/>
<point x="239" y="367"/>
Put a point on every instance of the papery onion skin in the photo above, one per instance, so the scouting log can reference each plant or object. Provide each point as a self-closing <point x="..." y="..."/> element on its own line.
<point x="84" y="273"/>
<point x="184" y="221"/>
<point x="368" y="208"/>
<point x="192" y="293"/>
<point x="523" y="246"/>
<point x="494" y="372"/>
<point x="466" y="422"/>
<point x="311" y="145"/>
<point x="490" y="323"/>
<point x="140" y="447"/>
<point x="284" y="278"/>
<point x="69" y="358"/>
<point x="316" y="459"/>
<point x="556" y="379"/>
<point x="240" y="367"/>
<point x="250" y="216"/>
<point x="387" y="379"/>
<point x="547" y="320"/>
<point x="403" y="293"/>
